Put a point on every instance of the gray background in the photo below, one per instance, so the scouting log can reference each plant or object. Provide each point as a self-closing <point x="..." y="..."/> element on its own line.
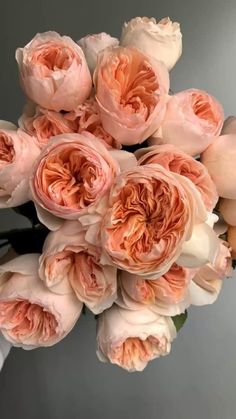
<point x="198" y="379"/>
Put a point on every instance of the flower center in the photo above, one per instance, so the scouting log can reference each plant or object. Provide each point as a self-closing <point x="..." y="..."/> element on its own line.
<point x="7" y="152"/>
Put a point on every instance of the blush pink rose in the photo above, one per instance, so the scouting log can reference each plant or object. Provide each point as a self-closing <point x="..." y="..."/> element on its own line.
<point x="70" y="264"/>
<point x="86" y="117"/>
<point x="53" y="72"/>
<point x="130" y="339"/>
<point x="169" y="293"/>
<point x="30" y="314"/>
<point x="219" y="159"/>
<point x="192" y="119"/>
<point x="207" y="283"/>
<point x="131" y="92"/>
<point x="151" y="213"/>
<point x="18" y="153"/>
<point x="177" y="161"/>
<point x="73" y="174"/>
<point x="227" y="208"/>
<point x="44" y="124"/>
<point x="93" y="44"/>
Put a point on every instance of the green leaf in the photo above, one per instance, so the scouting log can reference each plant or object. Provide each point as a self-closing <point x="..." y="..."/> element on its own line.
<point x="179" y="320"/>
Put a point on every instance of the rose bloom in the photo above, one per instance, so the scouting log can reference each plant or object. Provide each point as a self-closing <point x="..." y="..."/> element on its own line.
<point x="86" y="117"/>
<point x="219" y="159"/>
<point x="227" y="208"/>
<point x="131" y="92"/>
<point x="30" y="314"/>
<point x="44" y="124"/>
<point x="18" y="153"/>
<point x="169" y="293"/>
<point x="161" y="40"/>
<point x="151" y="212"/>
<point x="93" y="44"/>
<point x="130" y="339"/>
<point x="73" y="174"/>
<point x="53" y="72"/>
<point x="192" y="120"/>
<point x="177" y="161"/>
<point x="207" y="283"/>
<point x="70" y="264"/>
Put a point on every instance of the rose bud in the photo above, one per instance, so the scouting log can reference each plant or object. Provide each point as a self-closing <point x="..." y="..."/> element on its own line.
<point x="219" y="159"/>
<point x="5" y="347"/>
<point x="131" y="92"/>
<point x="70" y="264"/>
<point x="130" y="339"/>
<point x="18" y="153"/>
<point x="161" y="40"/>
<point x="151" y="213"/>
<point x="192" y="120"/>
<point x="53" y="72"/>
<point x="30" y="314"/>
<point x="174" y="160"/>
<point x="44" y="124"/>
<point x="93" y="44"/>
<point x="207" y="283"/>
<point x="227" y="208"/>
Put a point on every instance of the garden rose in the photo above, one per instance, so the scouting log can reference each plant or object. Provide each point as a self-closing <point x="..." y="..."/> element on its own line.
<point x="176" y="161"/>
<point x="161" y="40"/>
<point x="93" y="44"/>
<point x="132" y="339"/>
<point x="192" y="120"/>
<point x="219" y="159"/>
<point x="227" y="208"/>
<point x="70" y="264"/>
<point x="31" y="315"/>
<point x="44" y="124"/>
<point x="18" y="153"/>
<point x="53" y="72"/>
<point x="131" y="92"/>
<point x="151" y="213"/>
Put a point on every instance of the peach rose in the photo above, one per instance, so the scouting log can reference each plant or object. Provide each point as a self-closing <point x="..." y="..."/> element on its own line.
<point x="169" y="293"/>
<point x="70" y="264"/>
<point x="86" y="117"/>
<point x="131" y="92"/>
<point x="72" y="176"/>
<point x="227" y="208"/>
<point x="18" y="153"/>
<point x="44" y="124"/>
<point x="130" y="339"/>
<point x="161" y="40"/>
<point x="93" y="44"/>
<point x="219" y="159"/>
<point x="192" y="119"/>
<point x="207" y="283"/>
<point x="53" y="72"/>
<point x="231" y="237"/>
<point x="5" y="347"/>
<point x="176" y="161"/>
<point x="151" y="213"/>
<point x="31" y="315"/>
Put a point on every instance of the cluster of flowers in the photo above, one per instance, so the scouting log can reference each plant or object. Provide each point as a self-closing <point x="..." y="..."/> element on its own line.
<point x="133" y="235"/>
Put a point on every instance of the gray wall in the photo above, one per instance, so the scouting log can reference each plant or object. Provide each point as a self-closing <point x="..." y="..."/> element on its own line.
<point x="198" y="379"/>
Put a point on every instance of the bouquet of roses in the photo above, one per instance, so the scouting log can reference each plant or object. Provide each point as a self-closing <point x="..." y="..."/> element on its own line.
<point x="121" y="181"/>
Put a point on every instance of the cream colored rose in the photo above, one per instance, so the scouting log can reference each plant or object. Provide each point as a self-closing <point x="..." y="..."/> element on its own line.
<point x="161" y="40"/>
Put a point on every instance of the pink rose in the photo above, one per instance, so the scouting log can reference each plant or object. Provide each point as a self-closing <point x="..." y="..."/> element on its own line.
<point x="219" y="159"/>
<point x="130" y="339"/>
<point x="44" y="124"/>
<point x="192" y="119"/>
<point x="86" y="117"/>
<point x="227" y="208"/>
<point x="93" y="44"/>
<point x="131" y="92"/>
<point x="175" y="160"/>
<point x="207" y="283"/>
<point x="161" y="40"/>
<point x="53" y="72"/>
<point x="18" y="153"/>
<point x="151" y="213"/>
<point x="72" y="176"/>
<point x="31" y="315"/>
<point x="70" y="264"/>
<point x="169" y="293"/>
